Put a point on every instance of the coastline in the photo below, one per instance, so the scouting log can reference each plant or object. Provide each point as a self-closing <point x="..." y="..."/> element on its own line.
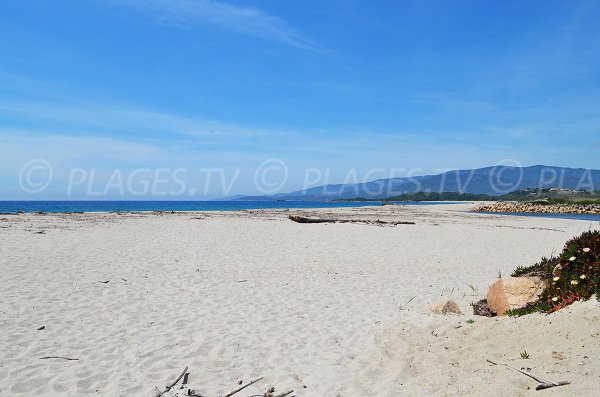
<point x="324" y="309"/>
<point x="539" y="208"/>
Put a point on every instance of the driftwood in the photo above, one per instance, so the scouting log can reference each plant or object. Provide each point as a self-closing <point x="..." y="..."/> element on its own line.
<point x="302" y="219"/>
<point x="543" y="386"/>
<point x="378" y="222"/>
<point x="196" y="393"/>
<point x="287" y="393"/>
<point x="270" y="392"/>
<point x="239" y="389"/>
<point x="544" y="383"/>
<point x="172" y="384"/>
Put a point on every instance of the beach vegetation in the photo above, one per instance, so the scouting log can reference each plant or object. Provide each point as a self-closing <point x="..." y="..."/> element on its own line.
<point x="474" y="290"/>
<point x="571" y="276"/>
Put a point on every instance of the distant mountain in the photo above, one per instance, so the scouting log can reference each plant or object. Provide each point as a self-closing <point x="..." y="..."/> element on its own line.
<point x="497" y="180"/>
<point x="232" y="198"/>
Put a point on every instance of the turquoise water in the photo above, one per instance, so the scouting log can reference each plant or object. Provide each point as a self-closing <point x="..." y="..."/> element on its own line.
<point x="108" y="206"/>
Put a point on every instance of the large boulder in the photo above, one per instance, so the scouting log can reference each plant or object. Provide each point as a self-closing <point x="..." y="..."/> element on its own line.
<point x="446" y="307"/>
<point x="513" y="292"/>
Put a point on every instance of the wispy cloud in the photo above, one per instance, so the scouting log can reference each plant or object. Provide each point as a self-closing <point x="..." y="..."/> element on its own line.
<point x="19" y="145"/>
<point x="22" y="145"/>
<point x="250" y="21"/>
<point x="114" y="120"/>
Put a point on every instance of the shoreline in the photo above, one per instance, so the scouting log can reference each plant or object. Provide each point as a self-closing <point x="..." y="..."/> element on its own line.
<point x="471" y="207"/>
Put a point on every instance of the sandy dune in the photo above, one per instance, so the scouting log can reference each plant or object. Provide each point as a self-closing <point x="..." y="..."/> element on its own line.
<point x="322" y="309"/>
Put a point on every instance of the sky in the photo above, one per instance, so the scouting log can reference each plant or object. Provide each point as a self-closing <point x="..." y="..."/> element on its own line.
<point x="110" y="98"/>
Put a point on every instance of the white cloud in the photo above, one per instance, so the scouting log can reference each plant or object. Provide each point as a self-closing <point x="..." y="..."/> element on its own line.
<point x="250" y="21"/>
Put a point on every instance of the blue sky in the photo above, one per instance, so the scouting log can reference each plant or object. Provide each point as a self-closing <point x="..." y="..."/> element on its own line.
<point x="340" y="86"/>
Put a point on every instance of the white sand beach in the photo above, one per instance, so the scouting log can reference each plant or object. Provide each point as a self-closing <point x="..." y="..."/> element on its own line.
<point x="323" y="309"/>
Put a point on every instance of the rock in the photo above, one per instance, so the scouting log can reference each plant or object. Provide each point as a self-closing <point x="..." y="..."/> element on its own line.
<point x="513" y="292"/>
<point x="445" y="307"/>
<point x="539" y="207"/>
<point x="481" y="308"/>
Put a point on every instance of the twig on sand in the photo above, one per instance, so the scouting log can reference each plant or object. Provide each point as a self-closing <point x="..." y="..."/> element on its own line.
<point x="404" y="305"/>
<point x="231" y="393"/>
<point x="545" y="384"/>
<point x="59" y="358"/>
<point x="170" y="385"/>
<point x="74" y="288"/>
<point x="196" y="393"/>
<point x="287" y="393"/>
<point x="270" y="391"/>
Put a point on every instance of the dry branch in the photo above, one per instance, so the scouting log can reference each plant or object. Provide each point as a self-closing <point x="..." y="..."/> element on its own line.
<point x="196" y="393"/>
<point x="60" y="358"/>
<point x="231" y="393"/>
<point x="378" y="222"/>
<point x="302" y="219"/>
<point x="545" y="384"/>
<point x="170" y="385"/>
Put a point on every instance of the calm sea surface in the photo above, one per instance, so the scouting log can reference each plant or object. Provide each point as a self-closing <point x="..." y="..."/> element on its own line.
<point x="107" y="206"/>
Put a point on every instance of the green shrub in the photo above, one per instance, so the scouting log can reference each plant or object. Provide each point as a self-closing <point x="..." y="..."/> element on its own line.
<point x="573" y="275"/>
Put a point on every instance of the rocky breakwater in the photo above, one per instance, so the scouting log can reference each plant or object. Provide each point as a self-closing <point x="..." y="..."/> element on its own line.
<point x="541" y="208"/>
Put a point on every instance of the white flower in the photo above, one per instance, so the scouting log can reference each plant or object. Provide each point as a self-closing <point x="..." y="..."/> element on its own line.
<point x="556" y="278"/>
<point x="574" y="282"/>
<point x="554" y="299"/>
<point x="583" y="277"/>
<point x="572" y="259"/>
<point x="556" y="269"/>
<point x="586" y="250"/>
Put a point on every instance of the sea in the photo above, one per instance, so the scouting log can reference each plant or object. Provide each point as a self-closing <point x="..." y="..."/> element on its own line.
<point x="11" y="207"/>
